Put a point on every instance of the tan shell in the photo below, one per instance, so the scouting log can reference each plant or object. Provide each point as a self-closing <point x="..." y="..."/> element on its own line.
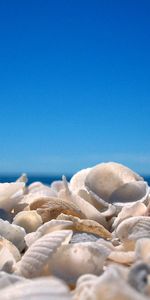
<point x="41" y="288"/>
<point x="29" y="220"/>
<point x="50" y="208"/>
<point x="105" y="178"/>
<point x="85" y="225"/>
<point x="122" y="257"/>
<point x="142" y="250"/>
<point x="37" y="256"/>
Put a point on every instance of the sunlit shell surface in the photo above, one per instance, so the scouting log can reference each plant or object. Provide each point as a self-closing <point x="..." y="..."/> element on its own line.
<point x="87" y="239"/>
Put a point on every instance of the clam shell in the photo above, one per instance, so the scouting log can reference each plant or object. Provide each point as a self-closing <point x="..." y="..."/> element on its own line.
<point x="105" y="178"/>
<point x="37" y="256"/>
<point x="37" y="289"/>
<point x="29" y="220"/>
<point x="72" y="260"/>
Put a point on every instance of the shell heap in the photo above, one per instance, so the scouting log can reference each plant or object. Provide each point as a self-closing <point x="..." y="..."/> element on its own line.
<point x="86" y="239"/>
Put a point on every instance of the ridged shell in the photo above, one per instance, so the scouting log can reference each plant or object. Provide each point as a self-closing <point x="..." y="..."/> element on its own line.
<point x="37" y="289"/>
<point x="73" y="260"/>
<point x="105" y="178"/>
<point x="29" y="220"/>
<point x="133" y="229"/>
<point x="53" y="225"/>
<point x="85" y="225"/>
<point x="13" y="233"/>
<point x="37" y="256"/>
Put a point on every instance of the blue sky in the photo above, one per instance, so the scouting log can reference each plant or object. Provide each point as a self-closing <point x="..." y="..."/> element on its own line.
<point x="74" y="85"/>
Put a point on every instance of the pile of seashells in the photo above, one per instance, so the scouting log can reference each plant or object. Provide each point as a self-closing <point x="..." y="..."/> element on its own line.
<point x="86" y="239"/>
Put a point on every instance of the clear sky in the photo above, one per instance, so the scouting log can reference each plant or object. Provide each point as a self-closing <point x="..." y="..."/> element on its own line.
<point x="74" y="84"/>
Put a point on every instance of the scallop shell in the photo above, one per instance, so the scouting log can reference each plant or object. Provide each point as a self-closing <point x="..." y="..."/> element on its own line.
<point x="53" y="225"/>
<point x="37" y="256"/>
<point x="9" y="194"/>
<point x="29" y="220"/>
<point x="13" y="233"/>
<point x="37" y="289"/>
<point x="73" y="260"/>
<point x="85" y="225"/>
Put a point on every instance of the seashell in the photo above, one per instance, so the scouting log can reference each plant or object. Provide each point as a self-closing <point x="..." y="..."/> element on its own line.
<point x="53" y="225"/>
<point x="13" y="233"/>
<point x="78" y="179"/>
<point x="133" y="210"/>
<point x="85" y="225"/>
<point x="105" y="178"/>
<point x="7" y="279"/>
<point x="72" y="260"/>
<point x="142" y="250"/>
<point x="50" y="208"/>
<point x="6" y="260"/>
<point x="29" y="220"/>
<point x="138" y="277"/>
<point x="130" y="193"/>
<point x="34" y="185"/>
<point x="8" y="193"/>
<point x="40" y="288"/>
<point x="37" y="256"/>
<point x="133" y="229"/>
<point x="87" y="209"/>
<point x="11" y="247"/>
<point x="110" y="285"/>
<point x="122" y="257"/>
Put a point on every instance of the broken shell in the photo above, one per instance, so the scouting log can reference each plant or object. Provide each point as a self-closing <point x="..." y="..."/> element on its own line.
<point x="8" y="194"/>
<point x="37" y="256"/>
<point x="85" y="225"/>
<point x="78" y="179"/>
<point x="29" y="220"/>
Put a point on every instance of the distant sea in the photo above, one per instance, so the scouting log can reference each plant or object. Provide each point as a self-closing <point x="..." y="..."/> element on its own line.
<point x="44" y="178"/>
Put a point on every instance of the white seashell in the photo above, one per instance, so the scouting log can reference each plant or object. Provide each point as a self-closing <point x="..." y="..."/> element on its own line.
<point x="78" y="179"/>
<point x="57" y="185"/>
<point x="29" y="220"/>
<point x="37" y="289"/>
<point x="73" y="260"/>
<point x="105" y="178"/>
<point x="130" y="193"/>
<point x="53" y="225"/>
<point x="9" y="194"/>
<point x="37" y="256"/>
<point x="133" y="229"/>
<point x="11" y="247"/>
<point x="132" y="210"/>
<point x="86" y="208"/>
<point x="13" y="233"/>
<point x="6" y="260"/>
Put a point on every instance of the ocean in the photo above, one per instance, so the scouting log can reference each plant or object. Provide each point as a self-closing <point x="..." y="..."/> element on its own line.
<point x="46" y="179"/>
